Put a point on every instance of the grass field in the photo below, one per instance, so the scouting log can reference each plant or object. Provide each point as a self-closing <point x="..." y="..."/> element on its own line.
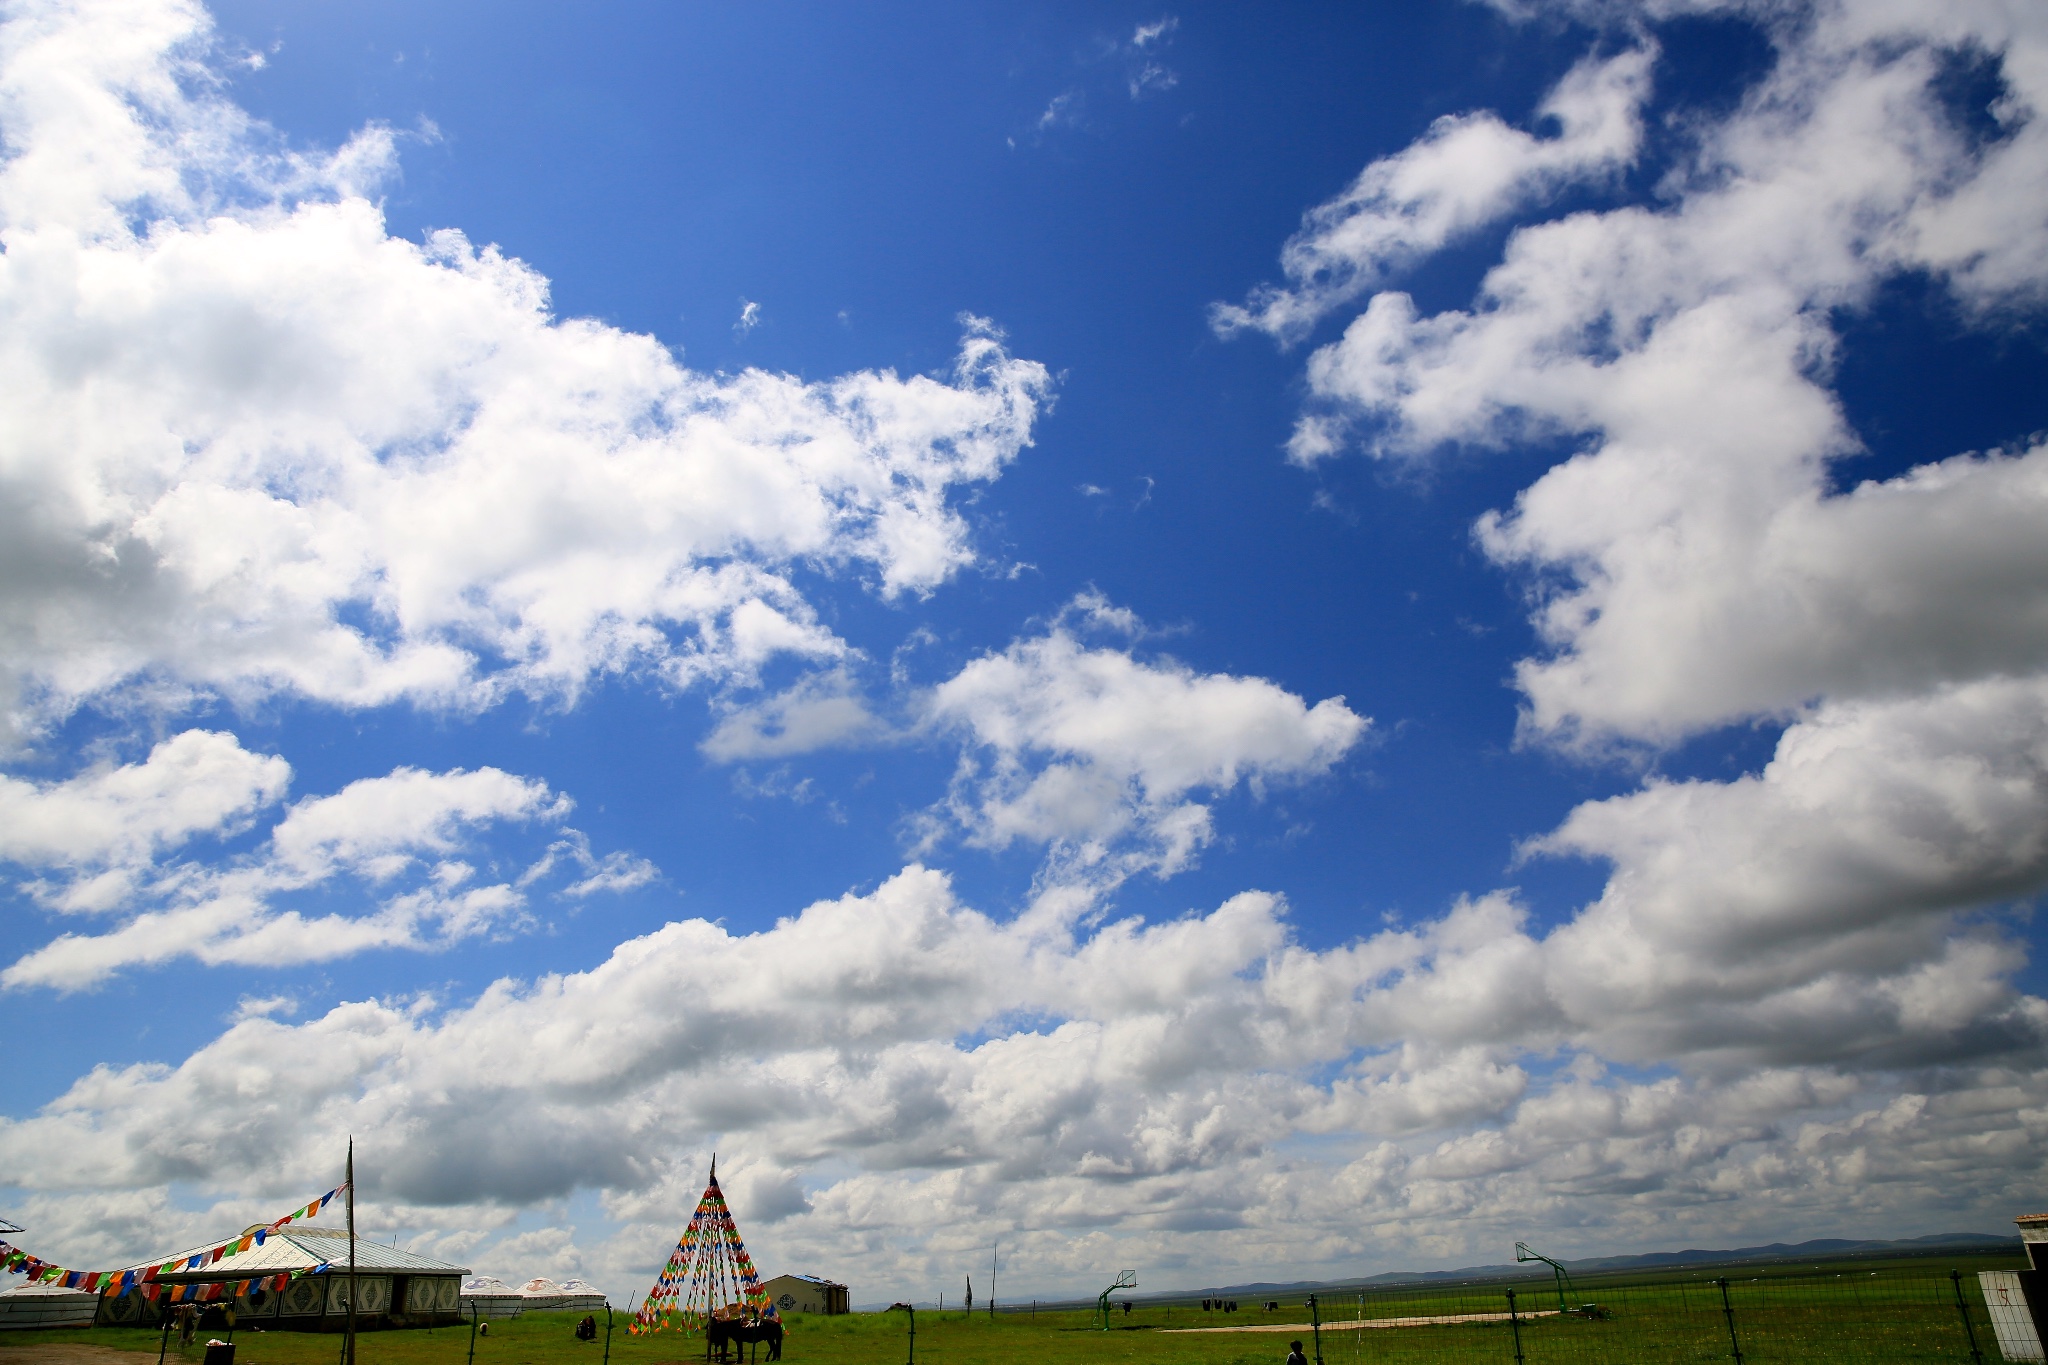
<point x="1848" y="1311"/>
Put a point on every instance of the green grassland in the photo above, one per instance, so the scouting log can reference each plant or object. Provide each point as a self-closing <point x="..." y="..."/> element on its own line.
<point x="1871" y="1310"/>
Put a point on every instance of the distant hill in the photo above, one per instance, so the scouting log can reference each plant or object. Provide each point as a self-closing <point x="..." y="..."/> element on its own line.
<point x="1818" y="1249"/>
<point x="1803" y="1251"/>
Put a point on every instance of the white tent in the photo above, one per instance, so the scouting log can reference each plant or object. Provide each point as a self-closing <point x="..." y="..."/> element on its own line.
<point x="493" y="1298"/>
<point x="45" y="1305"/>
<point x="490" y="1297"/>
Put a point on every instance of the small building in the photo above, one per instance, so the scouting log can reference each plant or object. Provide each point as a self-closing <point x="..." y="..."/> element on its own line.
<point x="805" y="1294"/>
<point x="393" y="1288"/>
<point x="2018" y="1299"/>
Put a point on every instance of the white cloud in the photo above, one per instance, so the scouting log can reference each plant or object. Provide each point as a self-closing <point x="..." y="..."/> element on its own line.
<point x="1164" y="27"/>
<point x="1061" y="111"/>
<point x="1831" y="1028"/>
<point x="1099" y="755"/>
<point x="891" y="1077"/>
<point x="1150" y="77"/>
<point x="1700" y="568"/>
<point x="393" y="840"/>
<point x="1810" y="910"/>
<point x="248" y="1007"/>
<point x="819" y="712"/>
<point x="1144" y="74"/>
<point x="1694" y="565"/>
<point x="257" y="445"/>
<point x="1774" y="598"/>
<point x="1467" y="171"/>
<point x="198" y="782"/>
<point x="379" y="825"/>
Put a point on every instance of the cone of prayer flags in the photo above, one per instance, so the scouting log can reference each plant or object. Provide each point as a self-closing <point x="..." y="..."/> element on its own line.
<point x="709" y="1274"/>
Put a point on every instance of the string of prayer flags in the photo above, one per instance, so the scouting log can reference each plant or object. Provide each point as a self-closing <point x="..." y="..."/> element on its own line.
<point x="144" y="1280"/>
<point x="18" y="1262"/>
<point x="209" y="1291"/>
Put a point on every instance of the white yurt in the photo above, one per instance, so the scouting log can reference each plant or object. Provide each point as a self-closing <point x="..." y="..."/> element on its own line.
<point x="581" y="1296"/>
<point x="45" y="1305"/>
<point x="491" y="1297"/>
<point x="542" y="1295"/>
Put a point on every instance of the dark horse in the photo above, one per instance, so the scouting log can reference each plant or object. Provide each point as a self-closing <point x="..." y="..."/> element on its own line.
<point x="717" y="1333"/>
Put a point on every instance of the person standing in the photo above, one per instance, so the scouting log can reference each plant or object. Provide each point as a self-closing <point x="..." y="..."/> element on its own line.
<point x="1294" y="1355"/>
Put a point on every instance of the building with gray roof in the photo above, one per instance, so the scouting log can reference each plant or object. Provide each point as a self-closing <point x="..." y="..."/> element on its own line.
<point x="394" y="1288"/>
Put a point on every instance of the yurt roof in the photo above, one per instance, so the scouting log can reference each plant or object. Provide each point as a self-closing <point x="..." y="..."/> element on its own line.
<point x="302" y="1248"/>
<point x="45" y="1291"/>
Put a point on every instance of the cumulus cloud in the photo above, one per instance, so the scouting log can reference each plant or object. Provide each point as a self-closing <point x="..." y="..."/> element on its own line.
<point x="1810" y="910"/>
<point x="1808" y="964"/>
<point x="1897" y="586"/>
<point x="1798" y="941"/>
<point x="1469" y="170"/>
<point x="1101" y="755"/>
<point x="1694" y="563"/>
<point x="116" y="817"/>
<point x="98" y="839"/>
<point x="255" y="444"/>
<point x="1699" y="565"/>
<point x="891" y="1075"/>
<point x="818" y="712"/>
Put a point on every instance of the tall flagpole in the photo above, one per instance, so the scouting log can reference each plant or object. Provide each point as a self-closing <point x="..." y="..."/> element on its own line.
<point x="350" y="1354"/>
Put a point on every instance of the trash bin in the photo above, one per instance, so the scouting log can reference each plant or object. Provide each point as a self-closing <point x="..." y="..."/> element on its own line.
<point x="220" y="1352"/>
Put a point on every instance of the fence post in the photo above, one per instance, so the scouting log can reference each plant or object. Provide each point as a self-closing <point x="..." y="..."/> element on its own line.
<point x="1515" y="1323"/>
<point x="1955" y="1278"/>
<point x="1729" y="1309"/>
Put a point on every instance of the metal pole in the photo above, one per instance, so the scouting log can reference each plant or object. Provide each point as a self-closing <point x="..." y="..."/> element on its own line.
<point x="912" y="1310"/>
<point x="607" y="1332"/>
<point x="165" y="1345"/>
<point x="1315" y="1322"/>
<point x="348" y="1354"/>
<point x="1515" y="1324"/>
<point x="992" y="1278"/>
<point x="1729" y="1309"/>
<point x="1956" y="1278"/>
<point x="472" y="1332"/>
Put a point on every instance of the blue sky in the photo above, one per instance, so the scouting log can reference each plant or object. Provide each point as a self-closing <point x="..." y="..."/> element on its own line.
<point x="1259" y="644"/>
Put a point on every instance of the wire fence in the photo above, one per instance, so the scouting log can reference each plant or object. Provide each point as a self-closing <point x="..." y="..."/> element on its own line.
<point x="1848" y="1311"/>
<point x="1851" y="1317"/>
